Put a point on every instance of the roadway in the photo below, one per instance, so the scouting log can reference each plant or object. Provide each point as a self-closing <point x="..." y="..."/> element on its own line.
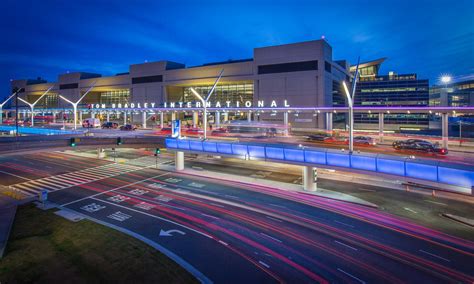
<point x="234" y="233"/>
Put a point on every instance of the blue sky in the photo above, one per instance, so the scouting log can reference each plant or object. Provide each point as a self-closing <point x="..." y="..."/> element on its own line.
<point x="46" y="38"/>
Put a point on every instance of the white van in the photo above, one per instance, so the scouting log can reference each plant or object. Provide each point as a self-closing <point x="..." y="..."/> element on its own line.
<point x="91" y="123"/>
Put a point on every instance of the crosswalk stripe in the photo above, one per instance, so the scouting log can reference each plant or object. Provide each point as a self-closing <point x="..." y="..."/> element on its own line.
<point x="74" y="179"/>
<point x="48" y="184"/>
<point x="60" y="180"/>
<point x="89" y="175"/>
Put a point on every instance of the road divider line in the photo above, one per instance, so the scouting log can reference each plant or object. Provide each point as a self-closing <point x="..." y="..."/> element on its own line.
<point x="410" y="210"/>
<point x="346" y="245"/>
<point x="434" y="255"/>
<point x="270" y="237"/>
<point x="15" y="175"/>
<point x="345" y="224"/>
<point x="264" y="264"/>
<point x="352" y="276"/>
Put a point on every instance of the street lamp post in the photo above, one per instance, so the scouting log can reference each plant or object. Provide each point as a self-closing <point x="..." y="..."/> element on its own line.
<point x="205" y="101"/>
<point x="2" y="104"/>
<point x="32" y="105"/>
<point x="75" y="104"/>
<point x="350" y="102"/>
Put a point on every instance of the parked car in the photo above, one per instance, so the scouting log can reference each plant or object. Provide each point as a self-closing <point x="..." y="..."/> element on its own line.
<point x="128" y="127"/>
<point x="419" y="145"/>
<point x="110" y="125"/>
<point x="165" y="130"/>
<point x="219" y="132"/>
<point x="364" y="140"/>
<point x="91" y="123"/>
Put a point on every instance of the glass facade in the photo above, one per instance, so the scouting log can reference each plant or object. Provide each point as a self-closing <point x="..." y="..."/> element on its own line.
<point x="115" y="97"/>
<point x="458" y="94"/>
<point x="222" y="93"/>
<point x="392" y="90"/>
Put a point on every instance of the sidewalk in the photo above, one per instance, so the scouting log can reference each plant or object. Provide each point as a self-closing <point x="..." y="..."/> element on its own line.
<point x="320" y="192"/>
<point x="7" y="216"/>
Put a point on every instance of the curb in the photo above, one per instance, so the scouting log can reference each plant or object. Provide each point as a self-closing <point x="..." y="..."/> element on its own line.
<point x="454" y="218"/>
<point x="371" y="205"/>
<point x="2" y="250"/>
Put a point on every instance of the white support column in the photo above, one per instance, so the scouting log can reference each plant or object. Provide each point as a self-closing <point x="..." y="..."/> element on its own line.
<point x="381" y="126"/>
<point x="108" y="116"/>
<point x="226" y="117"/>
<point x="179" y="161"/>
<point x="124" y="117"/>
<point x="217" y="119"/>
<point x="117" y="115"/>
<point x="162" y="117"/>
<point x="195" y="119"/>
<point x="445" y="129"/>
<point x="1" y="116"/>
<point x="285" y="122"/>
<point x="173" y="116"/>
<point x="309" y="178"/>
<point x="144" y="119"/>
<point x="54" y="116"/>
<point x="93" y="114"/>
<point x="329" y="121"/>
<point x="80" y="117"/>
<point x="249" y="116"/>
<point x="100" y="153"/>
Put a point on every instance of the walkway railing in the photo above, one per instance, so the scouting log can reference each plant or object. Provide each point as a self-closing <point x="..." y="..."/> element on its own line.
<point x="418" y="169"/>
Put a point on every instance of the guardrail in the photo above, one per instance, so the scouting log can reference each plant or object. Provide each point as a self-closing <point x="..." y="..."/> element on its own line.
<point x="460" y="176"/>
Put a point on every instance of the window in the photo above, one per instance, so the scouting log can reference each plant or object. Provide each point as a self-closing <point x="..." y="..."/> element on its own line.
<point x="288" y="67"/>
<point x="115" y="97"/>
<point x="68" y="86"/>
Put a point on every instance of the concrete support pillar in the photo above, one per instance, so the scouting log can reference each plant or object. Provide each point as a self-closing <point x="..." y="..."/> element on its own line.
<point x="249" y="116"/>
<point x="445" y="129"/>
<point x="80" y="117"/>
<point x="54" y="116"/>
<point x="309" y="178"/>
<point x="285" y="122"/>
<point x="124" y="117"/>
<point x="117" y="114"/>
<point x="100" y="153"/>
<point x="328" y="121"/>
<point x="108" y="116"/>
<point x="217" y="119"/>
<point x="195" y="119"/>
<point x="1" y="116"/>
<point x="226" y="117"/>
<point x="179" y="161"/>
<point x="144" y="119"/>
<point x="381" y="126"/>
<point x="173" y="116"/>
<point x="162" y="118"/>
<point x="93" y="114"/>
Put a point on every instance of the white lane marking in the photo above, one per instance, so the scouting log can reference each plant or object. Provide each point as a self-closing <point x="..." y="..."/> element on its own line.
<point x="343" y="244"/>
<point x="366" y="189"/>
<point x="15" y="175"/>
<point x="274" y="219"/>
<point x="434" y="255"/>
<point x="224" y="243"/>
<point x="410" y="210"/>
<point x="93" y="195"/>
<point x="264" y="264"/>
<point x="276" y="205"/>
<point x="119" y="216"/>
<point x="153" y="216"/>
<point x="231" y="196"/>
<point x="348" y="225"/>
<point x="352" y="276"/>
<point x="210" y="216"/>
<point x="270" y="237"/>
<point x="439" y="203"/>
<point x="218" y="205"/>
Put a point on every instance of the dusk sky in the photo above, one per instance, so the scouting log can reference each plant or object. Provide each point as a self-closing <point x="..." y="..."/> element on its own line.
<point x="47" y="38"/>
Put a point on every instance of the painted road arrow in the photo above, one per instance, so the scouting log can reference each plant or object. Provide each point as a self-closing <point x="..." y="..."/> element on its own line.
<point x="169" y="233"/>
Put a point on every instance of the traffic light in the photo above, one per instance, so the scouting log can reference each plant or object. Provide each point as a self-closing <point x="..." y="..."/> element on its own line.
<point x="157" y="151"/>
<point x="73" y="141"/>
<point x="119" y="141"/>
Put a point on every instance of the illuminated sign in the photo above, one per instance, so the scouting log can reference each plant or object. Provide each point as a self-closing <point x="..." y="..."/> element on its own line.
<point x="218" y="104"/>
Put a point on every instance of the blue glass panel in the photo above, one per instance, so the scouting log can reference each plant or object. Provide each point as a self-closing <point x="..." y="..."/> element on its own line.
<point x="239" y="149"/>
<point x="363" y="162"/>
<point x="274" y="153"/>
<point x="195" y="145"/>
<point x="224" y="148"/>
<point x="256" y="151"/>
<point x="338" y="159"/>
<point x="171" y="143"/>
<point x="421" y="171"/>
<point x="394" y="167"/>
<point x="295" y="155"/>
<point x="457" y="177"/>
<point x="209" y="146"/>
<point x="183" y="144"/>
<point x="315" y="157"/>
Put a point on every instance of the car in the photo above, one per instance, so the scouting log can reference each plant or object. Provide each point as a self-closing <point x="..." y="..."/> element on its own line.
<point x="165" y="130"/>
<point x="219" y="132"/>
<point x="110" y="125"/>
<point x="419" y="145"/>
<point x="128" y="127"/>
<point x="91" y="123"/>
<point x="364" y="140"/>
<point x="321" y="137"/>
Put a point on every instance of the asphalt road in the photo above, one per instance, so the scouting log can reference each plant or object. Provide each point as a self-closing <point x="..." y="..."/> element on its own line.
<point x="236" y="234"/>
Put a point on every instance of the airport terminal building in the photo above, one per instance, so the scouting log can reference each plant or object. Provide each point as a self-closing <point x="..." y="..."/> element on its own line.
<point x="286" y="76"/>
